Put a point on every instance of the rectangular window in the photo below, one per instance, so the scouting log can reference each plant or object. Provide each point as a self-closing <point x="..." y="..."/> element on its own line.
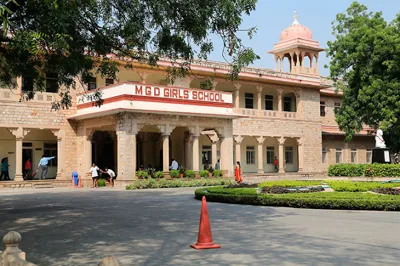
<point x="249" y="100"/>
<point x="369" y="156"/>
<point x="289" y="154"/>
<point x="27" y="144"/>
<point x="50" y="150"/>
<point x="322" y="108"/>
<point x="27" y="83"/>
<point x="287" y="104"/>
<point x="269" y="102"/>
<point x="338" y="155"/>
<point x="92" y="84"/>
<point x="250" y="155"/>
<point x="109" y="82"/>
<point x="354" y="155"/>
<point x="324" y="154"/>
<point x="51" y="83"/>
<point x="270" y="155"/>
<point x="337" y="106"/>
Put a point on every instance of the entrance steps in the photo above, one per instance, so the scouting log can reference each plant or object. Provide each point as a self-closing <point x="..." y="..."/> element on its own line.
<point x="35" y="184"/>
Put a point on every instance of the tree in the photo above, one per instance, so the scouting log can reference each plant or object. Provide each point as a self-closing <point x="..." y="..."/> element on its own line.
<point x="65" y="39"/>
<point x="365" y="64"/>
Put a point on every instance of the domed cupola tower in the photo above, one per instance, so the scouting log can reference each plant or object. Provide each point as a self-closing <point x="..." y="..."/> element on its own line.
<point x="296" y="44"/>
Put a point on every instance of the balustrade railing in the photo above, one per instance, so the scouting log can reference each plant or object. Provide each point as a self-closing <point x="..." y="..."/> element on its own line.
<point x="39" y="97"/>
<point x="266" y="113"/>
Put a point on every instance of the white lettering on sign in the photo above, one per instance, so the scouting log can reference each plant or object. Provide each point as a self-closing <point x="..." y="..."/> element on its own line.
<point x="178" y="93"/>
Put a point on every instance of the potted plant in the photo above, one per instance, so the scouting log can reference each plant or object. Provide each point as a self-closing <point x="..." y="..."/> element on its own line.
<point x="142" y="175"/>
<point x="174" y="173"/>
<point x="204" y="173"/>
<point x="189" y="174"/>
<point x="181" y="171"/>
<point x="159" y="174"/>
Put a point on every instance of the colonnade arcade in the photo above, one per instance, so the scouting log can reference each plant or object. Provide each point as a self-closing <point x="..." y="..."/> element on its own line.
<point x="151" y="139"/>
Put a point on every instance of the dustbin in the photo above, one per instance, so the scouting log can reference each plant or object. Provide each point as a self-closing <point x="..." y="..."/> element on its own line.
<point x="75" y="176"/>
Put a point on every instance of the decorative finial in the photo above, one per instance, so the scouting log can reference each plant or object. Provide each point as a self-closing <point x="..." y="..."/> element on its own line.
<point x="295" y="17"/>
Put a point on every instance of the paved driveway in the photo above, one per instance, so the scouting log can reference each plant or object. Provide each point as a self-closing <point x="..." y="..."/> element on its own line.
<point x="79" y="227"/>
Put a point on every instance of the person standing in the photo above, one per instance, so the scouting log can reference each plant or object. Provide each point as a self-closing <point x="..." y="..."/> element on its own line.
<point x="43" y="165"/>
<point x="95" y="175"/>
<point x="4" y="169"/>
<point x="174" y="165"/>
<point x="238" y="173"/>
<point x="27" y="168"/>
<point x="276" y="164"/>
<point x="218" y="165"/>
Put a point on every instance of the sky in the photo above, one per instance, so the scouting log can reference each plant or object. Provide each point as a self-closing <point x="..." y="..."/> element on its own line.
<point x="271" y="17"/>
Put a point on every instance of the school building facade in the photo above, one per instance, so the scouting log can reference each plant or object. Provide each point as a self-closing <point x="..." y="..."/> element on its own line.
<point x="143" y="120"/>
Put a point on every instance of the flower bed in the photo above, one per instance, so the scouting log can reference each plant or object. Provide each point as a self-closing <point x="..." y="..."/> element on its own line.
<point x="163" y="183"/>
<point x="319" y="200"/>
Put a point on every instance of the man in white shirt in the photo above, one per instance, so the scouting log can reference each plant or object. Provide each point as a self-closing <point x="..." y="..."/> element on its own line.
<point x="95" y="175"/>
<point x="174" y="165"/>
<point x="111" y="175"/>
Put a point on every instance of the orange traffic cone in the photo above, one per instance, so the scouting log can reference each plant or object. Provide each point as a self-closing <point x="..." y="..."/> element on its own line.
<point x="79" y="181"/>
<point x="204" y="240"/>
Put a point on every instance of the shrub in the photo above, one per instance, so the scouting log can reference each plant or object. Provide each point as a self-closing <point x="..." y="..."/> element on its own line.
<point x="142" y="174"/>
<point x="101" y="183"/>
<point x="351" y="186"/>
<point x="189" y="174"/>
<point x="163" y="183"/>
<point x="367" y="170"/>
<point x="291" y="183"/>
<point x="174" y="173"/>
<point x="204" y="173"/>
<point x="217" y="173"/>
<point x="159" y="174"/>
<point x="333" y="200"/>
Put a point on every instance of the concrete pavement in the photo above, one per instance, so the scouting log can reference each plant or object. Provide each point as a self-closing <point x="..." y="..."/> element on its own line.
<point x="155" y="227"/>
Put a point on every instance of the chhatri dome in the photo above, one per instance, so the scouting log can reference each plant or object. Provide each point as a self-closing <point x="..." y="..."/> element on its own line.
<point x="298" y="47"/>
<point x="296" y="30"/>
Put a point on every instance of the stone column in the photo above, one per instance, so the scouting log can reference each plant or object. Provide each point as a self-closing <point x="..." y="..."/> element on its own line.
<point x="214" y="153"/>
<point x="300" y="148"/>
<point x="188" y="152"/>
<point x="259" y="97"/>
<point x="214" y="84"/>
<point x="126" y="154"/>
<point x="292" y="67"/>
<point x="281" y="141"/>
<point x="60" y="152"/>
<point x="238" y="141"/>
<point x="279" y="94"/>
<point x="316" y="64"/>
<point x="311" y="61"/>
<point x="134" y="154"/>
<point x="237" y="92"/>
<point x="88" y="149"/>
<point x="276" y="63"/>
<point x="165" y="141"/>
<point x="260" y="157"/>
<point x="195" y="154"/>
<point x="282" y="60"/>
<point x="19" y="134"/>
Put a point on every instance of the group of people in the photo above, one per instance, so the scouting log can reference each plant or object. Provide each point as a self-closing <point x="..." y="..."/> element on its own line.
<point x="94" y="171"/>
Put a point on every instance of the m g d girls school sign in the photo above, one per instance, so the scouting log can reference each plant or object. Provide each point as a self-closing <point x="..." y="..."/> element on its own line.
<point x="181" y="93"/>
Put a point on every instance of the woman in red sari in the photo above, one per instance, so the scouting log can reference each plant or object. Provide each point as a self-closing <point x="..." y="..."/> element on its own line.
<point x="238" y="173"/>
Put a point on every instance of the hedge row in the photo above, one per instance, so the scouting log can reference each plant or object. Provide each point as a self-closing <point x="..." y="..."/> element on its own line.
<point x="163" y="183"/>
<point x="367" y="170"/>
<point x="332" y="200"/>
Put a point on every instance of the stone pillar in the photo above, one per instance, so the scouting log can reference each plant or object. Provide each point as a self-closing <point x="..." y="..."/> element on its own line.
<point x="316" y="64"/>
<point x="214" y="153"/>
<point x="165" y="141"/>
<point x="238" y="141"/>
<point x="19" y="134"/>
<point x="134" y="154"/>
<point x="276" y="63"/>
<point x="237" y="92"/>
<point x="260" y="152"/>
<point x="282" y="60"/>
<point x="300" y="148"/>
<point x="259" y="97"/>
<point x="281" y="141"/>
<point x="227" y="155"/>
<point x="60" y="152"/>
<point x="12" y="240"/>
<point x="311" y="61"/>
<point x="188" y="152"/>
<point x="214" y="84"/>
<point x="279" y="94"/>
<point x="195" y="154"/>
<point x="292" y="67"/>
<point x="88" y="149"/>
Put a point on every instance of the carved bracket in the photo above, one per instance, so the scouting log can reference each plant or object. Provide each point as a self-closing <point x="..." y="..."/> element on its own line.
<point x="238" y="139"/>
<point x="260" y="139"/>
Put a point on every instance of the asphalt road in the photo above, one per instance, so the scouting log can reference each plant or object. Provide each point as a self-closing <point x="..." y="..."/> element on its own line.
<point x="155" y="227"/>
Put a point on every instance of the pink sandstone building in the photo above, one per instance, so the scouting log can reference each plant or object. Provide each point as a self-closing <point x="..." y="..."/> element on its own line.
<point x="265" y="114"/>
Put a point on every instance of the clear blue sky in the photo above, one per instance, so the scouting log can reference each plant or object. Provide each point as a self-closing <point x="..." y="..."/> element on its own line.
<point x="272" y="17"/>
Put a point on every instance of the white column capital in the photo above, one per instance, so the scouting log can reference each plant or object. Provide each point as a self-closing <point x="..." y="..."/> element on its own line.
<point x="300" y="141"/>
<point x="237" y="85"/>
<point x="238" y="139"/>
<point x="259" y="88"/>
<point x="281" y="140"/>
<point x="260" y="140"/>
